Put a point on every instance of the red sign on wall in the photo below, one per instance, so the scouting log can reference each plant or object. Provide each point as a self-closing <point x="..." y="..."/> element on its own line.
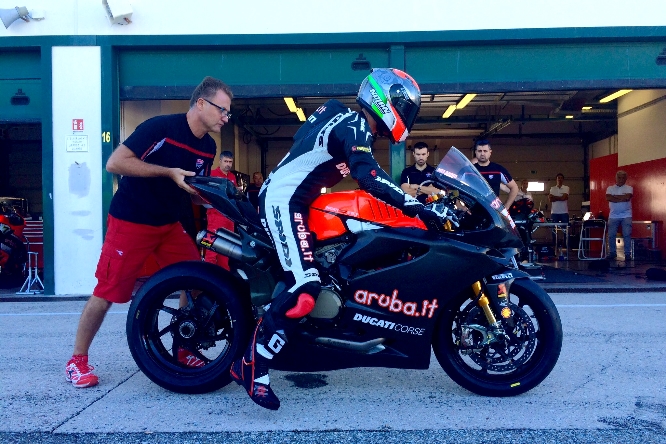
<point x="77" y="124"/>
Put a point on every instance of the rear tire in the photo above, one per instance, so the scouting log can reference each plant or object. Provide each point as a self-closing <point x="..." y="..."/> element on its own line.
<point x="500" y="369"/>
<point x="215" y="326"/>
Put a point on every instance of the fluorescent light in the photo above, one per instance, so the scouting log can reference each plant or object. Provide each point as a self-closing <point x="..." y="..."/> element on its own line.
<point x="290" y="104"/>
<point x="569" y="117"/>
<point x="299" y="113"/>
<point x="615" y="95"/>
<point x="536" y="186"/>
<point x="448" y="111"/>
<point x="465" y="100"/>
<point x="587" y="107"/>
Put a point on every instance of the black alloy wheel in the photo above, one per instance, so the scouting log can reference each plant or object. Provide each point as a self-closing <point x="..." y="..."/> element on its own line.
<point x="188" y="348"/>
<point x="512" y="365"/>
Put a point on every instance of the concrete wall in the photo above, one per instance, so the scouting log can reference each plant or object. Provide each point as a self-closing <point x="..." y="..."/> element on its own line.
<point x="159" y="17"/>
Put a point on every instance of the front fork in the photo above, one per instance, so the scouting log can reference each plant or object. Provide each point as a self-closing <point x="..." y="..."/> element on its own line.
<point x="496" y="331"/>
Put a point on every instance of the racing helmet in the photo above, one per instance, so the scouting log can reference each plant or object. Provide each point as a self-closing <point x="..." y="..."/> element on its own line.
<point x="394" y="99"/>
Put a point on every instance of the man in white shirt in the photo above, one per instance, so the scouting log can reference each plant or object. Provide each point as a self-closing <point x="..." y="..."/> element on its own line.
<point x="619" y="200"/>
<point x="522" y="192"/>
<point x="558" y="197"/>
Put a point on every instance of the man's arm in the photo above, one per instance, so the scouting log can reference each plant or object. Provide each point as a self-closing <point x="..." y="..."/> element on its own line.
<point x="409" y="188"/>
<point x="618" y="197"/>
<point x="513" y="192"/>
<point x="414" y="189"/>
<point x="123" y="161"/>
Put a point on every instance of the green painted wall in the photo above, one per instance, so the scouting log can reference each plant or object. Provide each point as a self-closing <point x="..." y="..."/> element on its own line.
<point x="20" y="70"/>
<point x="282" y="67"/>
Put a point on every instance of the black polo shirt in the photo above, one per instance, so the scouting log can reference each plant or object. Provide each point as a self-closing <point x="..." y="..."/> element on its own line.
<point x="495" y="174"/>
<point x="167" y="141"/>
<point x="413" y="175"/>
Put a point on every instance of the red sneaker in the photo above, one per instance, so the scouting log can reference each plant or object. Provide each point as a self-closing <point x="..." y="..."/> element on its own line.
<point x="188" y="359"/>
<point x="79" y="372"/>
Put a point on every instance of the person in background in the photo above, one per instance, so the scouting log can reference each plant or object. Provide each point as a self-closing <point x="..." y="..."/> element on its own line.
<point x="559" y="197"/>
<point x="522" y="192"/>
<point x="253" y="189"/>
<point x="215" y="219"/>
<point x="494" y="173"/>
<point x="619" y="200"/>
<point x="412" y="177"/>
<point x="145" y="211"/>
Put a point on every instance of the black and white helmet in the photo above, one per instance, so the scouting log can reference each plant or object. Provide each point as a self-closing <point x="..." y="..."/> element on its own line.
<point x="393" y="97"/>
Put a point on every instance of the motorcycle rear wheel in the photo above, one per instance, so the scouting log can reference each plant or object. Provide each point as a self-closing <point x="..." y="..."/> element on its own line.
<point x="501" y="369"/>
<point x="215" y="327"/>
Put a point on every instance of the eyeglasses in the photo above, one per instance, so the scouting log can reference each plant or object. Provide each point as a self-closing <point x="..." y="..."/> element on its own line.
<point x="223" y="111"/>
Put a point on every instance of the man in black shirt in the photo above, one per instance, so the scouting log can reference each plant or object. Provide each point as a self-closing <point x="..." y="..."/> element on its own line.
<point x="412" y="177"/>
<point x="145" y="212"/>
<point x="494" y="173"/>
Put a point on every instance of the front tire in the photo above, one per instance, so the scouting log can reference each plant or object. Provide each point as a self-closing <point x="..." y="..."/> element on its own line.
<point x="505" y="368"/>
<point x="214" y="326"/>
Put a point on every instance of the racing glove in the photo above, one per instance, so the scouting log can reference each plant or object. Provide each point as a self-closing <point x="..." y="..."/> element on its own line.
<point x="437" y="214"/>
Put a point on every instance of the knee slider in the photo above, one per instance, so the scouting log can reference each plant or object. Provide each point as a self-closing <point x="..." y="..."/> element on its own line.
<point x="304" y="305"/>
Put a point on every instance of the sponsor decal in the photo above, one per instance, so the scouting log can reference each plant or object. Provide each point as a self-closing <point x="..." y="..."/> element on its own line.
<point x="326" y="128"/>
<point x="378" y="103"/>
<point x="505" y="213"/>
<point x="365" y="149"/>
<point x="373" y="173"/>
<point x="304" y="238"/>
<point x="496" y="204"/>
<point x="337" y="210"/>
<point x="208" y="240"/>
<point x="363" y="125"/>
<point x="321" y="109"/>
<point x="447" y="173"/>
<point x="502" y="277"/>
<point x="343" y="168"/>
<point x="200" y="163"/>
<point x="389" y="183"/>
<point x="389" y="325"/>
<point x="281" y="236"/>
<point x="395" y="305"/>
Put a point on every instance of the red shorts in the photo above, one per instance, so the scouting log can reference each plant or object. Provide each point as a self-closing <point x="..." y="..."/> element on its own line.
<point x="126" y="248"/>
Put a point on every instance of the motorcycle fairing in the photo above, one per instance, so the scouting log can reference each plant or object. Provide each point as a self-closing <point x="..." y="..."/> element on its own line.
<point x="440" y="270"/>
<point x="329" y="212"/>
<point x="224" y="197"/>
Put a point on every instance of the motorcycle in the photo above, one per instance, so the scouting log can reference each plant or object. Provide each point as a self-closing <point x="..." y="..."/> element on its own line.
<point x="524" y="214"/>
<point x="13" y="252"/>
<point x="393" y="289"/>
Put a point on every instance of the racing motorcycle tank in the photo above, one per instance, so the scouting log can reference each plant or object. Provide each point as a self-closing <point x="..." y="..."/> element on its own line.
<point x="329" y="212"/>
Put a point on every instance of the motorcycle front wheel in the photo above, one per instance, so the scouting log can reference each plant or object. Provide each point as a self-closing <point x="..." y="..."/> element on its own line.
<point x="188" y="348"/>
<point x="511" y="365"/>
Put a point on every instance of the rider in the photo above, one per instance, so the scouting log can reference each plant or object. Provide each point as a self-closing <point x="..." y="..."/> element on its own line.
<point x="333" y="143"/>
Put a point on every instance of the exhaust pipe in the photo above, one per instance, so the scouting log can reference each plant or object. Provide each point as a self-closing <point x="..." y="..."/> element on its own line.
<point x="223" y="242"/>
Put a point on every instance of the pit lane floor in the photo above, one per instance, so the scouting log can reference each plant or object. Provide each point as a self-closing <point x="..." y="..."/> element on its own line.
<point x="608" y="386"/>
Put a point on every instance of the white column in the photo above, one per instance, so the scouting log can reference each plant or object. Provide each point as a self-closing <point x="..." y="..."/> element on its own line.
<point x="77" y="167"/>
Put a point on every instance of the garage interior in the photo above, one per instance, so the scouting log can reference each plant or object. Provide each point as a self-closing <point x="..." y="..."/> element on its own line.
<point x="535" y="135"/>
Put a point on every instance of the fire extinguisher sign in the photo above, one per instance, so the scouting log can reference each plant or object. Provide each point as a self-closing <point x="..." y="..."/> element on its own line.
<point x="77" y="124"/>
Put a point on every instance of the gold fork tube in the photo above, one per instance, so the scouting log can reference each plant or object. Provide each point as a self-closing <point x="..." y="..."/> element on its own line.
<point x="484" y="303"/>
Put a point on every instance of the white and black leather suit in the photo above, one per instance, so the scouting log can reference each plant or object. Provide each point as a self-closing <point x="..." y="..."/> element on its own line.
<point x="333" y="143"/>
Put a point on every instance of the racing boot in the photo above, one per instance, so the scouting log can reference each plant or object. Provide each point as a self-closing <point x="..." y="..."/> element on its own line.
<point x="251" y="371"/>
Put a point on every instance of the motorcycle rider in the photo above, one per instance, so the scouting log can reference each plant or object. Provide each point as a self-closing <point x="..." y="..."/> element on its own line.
<point x="333" y="143"/>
